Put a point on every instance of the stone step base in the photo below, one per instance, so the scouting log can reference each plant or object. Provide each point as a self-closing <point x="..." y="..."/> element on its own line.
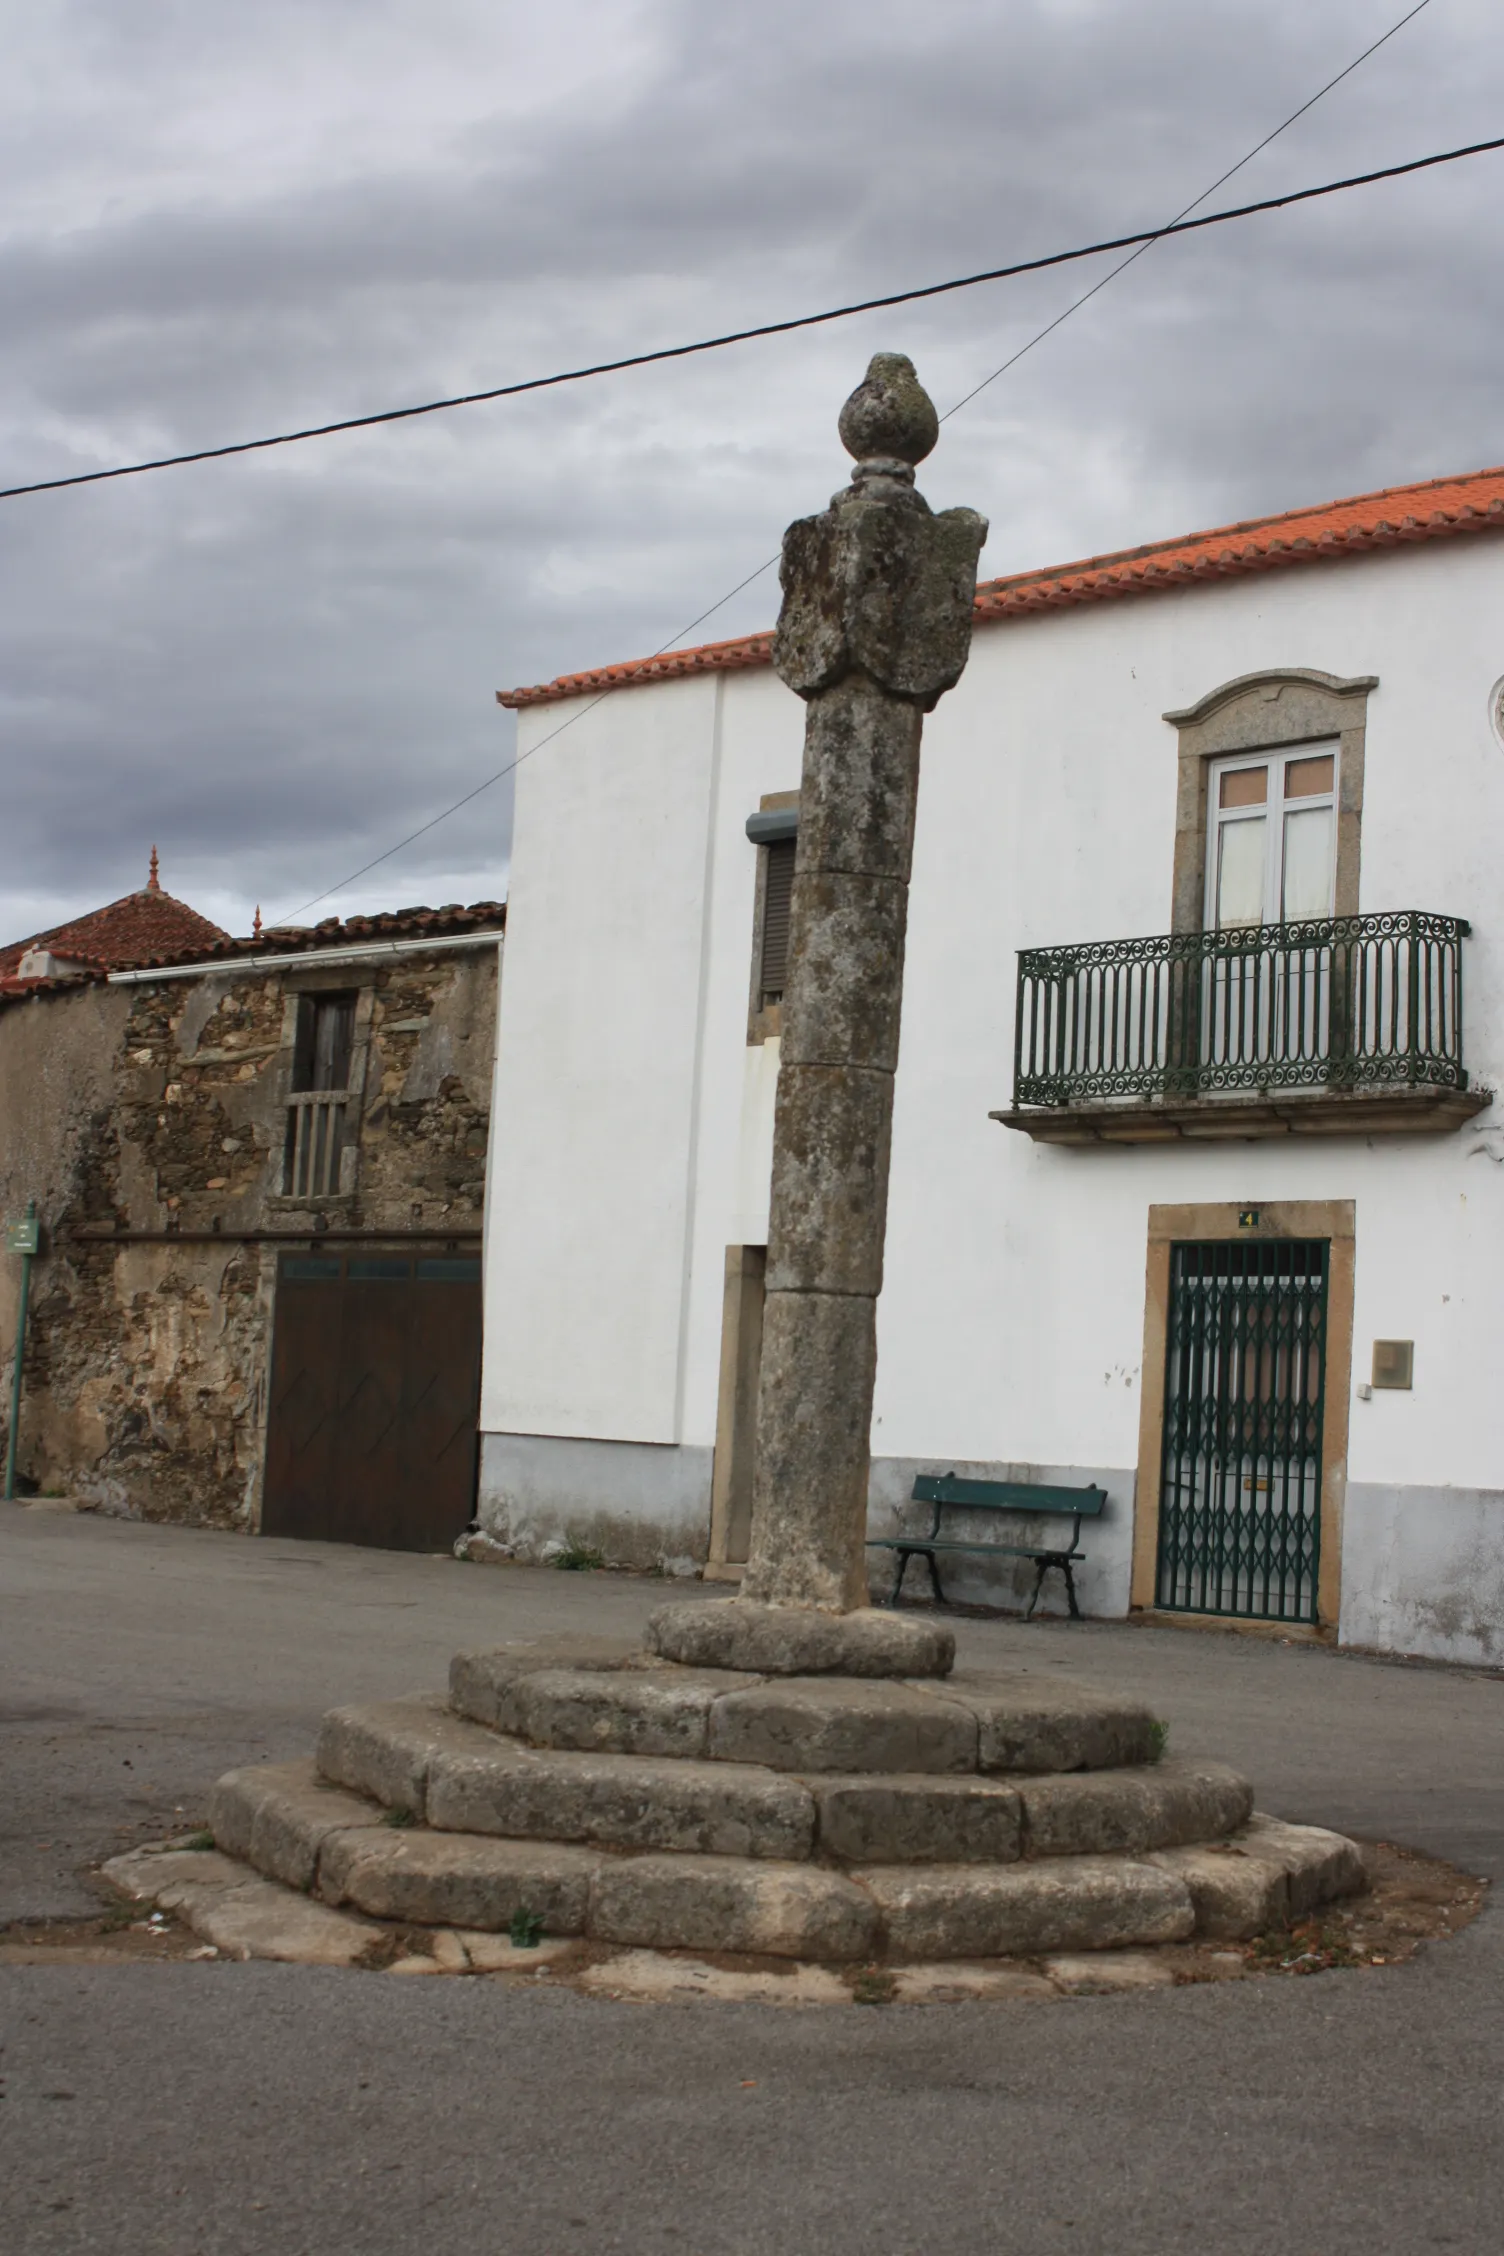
<point x="243" y="1916"/>
<point x="459" y="1777"/>
<point x="292" y="1829"/>
<point x="603" y="1698"/>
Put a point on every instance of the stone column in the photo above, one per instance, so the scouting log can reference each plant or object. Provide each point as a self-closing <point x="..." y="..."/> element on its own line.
<point x="875" y="627"/>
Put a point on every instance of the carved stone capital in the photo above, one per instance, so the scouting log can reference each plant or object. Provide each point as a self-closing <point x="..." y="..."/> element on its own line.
<point x="879" y="585"/>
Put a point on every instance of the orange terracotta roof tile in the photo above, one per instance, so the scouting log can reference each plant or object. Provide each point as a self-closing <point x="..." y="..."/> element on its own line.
<point x="1437" y="509"/>
<point x="336" y="932"/>
<point x="122" y="932"/>
<point x="273" y="940"/>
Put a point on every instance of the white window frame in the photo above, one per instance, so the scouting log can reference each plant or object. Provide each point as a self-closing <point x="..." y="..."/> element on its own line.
<point x="1273" y="810"/>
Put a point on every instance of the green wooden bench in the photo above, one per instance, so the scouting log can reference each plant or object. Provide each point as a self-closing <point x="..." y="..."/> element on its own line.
<point x="1023" y="1499"/>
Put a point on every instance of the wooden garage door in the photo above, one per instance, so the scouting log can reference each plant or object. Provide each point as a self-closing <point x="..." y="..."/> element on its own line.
<point x="375" y="1399"/>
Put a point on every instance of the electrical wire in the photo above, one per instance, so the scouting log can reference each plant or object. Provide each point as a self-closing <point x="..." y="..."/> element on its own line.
<point x="1181" y="216"/>
<point x="577" y="715"/>
<point x="1143" y="242"/>
<point x="1145" y="237"/>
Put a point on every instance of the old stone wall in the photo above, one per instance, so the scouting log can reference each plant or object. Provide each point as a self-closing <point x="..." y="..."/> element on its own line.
<point x="162" y="1108"/>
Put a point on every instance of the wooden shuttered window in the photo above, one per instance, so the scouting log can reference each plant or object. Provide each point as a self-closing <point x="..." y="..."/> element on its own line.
<point x="778" y="897"/>
<point x="318" y="1103"/>
<point x="325" y="1040"/>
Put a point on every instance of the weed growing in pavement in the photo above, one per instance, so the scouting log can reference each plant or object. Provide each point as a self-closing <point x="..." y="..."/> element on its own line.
<point x="579" y="1558"/>
<point x="1311" y="1947"/>
<point x="1159" y="1739"/>
<point x="525" y="1931"/>
<point x="400" y="1817"/>
<point x="202" y="1839"/>
<point x="873" y="1985"/>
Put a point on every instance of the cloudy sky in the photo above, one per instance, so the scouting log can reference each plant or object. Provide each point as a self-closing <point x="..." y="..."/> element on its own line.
<point x="218" y="220"/>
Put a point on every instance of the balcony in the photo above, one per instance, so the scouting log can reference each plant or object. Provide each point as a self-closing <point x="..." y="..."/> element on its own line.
<point x="1342" y="1026"/>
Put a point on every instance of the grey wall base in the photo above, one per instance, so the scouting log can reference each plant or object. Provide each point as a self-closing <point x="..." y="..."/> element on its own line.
<point x="1422" y="1568"/>
<point x="1423" y="1572"/>
<point x="642" y="1504"/>
<point x="647" y="1505"/>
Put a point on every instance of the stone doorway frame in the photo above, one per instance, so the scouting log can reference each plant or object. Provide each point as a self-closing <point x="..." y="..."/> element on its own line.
<point x="736" y="1412"/>
<point x="1332" y="1219"/>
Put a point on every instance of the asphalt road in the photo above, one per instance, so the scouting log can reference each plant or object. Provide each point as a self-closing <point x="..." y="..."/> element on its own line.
<point x="229" y="2110"/>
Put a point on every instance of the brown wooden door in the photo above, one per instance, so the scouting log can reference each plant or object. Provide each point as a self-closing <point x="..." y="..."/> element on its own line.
<point x="375" y="1398"/>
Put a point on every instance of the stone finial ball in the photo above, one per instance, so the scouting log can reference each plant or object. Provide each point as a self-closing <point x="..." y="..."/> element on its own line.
<point x="890" y="413"/>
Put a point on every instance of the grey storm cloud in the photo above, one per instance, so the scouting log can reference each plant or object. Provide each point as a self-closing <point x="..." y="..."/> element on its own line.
<point x="219" y="223"/>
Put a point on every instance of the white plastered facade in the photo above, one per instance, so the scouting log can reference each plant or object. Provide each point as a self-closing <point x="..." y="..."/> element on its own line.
<point x="633" y="1121"/>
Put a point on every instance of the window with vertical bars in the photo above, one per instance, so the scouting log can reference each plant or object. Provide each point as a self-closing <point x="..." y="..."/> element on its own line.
<point x="778" y="896"/>
<point x="318" y="1101"/>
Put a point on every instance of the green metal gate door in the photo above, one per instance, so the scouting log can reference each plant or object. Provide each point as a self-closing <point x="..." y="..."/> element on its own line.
<point x="1245" y="1376"/>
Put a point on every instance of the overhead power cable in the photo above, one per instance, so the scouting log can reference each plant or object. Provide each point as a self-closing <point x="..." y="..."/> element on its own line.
<point x="577" y="715"/>
<point x="1144" y="242"/>
<point x="1144" y="237"/>
<point x="1177" y="223"/>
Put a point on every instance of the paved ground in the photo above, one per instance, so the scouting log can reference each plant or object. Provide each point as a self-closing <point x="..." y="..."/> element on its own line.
<point x="235" y="2110"/>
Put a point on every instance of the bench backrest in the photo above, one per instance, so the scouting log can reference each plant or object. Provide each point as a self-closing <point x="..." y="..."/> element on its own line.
<point x="1008" y="1496"/>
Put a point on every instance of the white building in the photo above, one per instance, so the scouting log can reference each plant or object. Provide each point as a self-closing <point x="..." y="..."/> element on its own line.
<point x="1270" y="1143"/>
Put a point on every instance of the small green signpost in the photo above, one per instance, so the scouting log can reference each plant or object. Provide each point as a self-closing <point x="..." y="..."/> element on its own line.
<point x="23" y="1238"/>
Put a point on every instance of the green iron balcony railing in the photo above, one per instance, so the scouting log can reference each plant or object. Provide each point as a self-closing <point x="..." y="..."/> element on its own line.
<point x="1339" y="1004"/>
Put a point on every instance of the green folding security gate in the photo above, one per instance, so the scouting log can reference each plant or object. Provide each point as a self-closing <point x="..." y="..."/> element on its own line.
<point x="1245" y="1378"/>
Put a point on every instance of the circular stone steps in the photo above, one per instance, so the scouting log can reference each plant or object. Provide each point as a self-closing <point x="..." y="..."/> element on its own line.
<point x="290" y="1826"/>
<point x="626" y="1703"/>
<point x="415" y="1757"/>
<point x="634" y="1800"/>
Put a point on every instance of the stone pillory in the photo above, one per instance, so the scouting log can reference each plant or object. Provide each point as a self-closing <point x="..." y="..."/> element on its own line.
<point x="875" y="627"/>
<point x="746" y="1786"/>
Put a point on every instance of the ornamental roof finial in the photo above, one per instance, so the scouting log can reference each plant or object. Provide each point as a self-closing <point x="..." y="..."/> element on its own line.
<point x="256" y="923"/>
<point x="153" y="882"/>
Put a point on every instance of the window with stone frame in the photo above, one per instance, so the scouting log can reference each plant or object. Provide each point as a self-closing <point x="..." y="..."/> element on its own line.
<point x="1297" y="736"/>
<point x="318" y="1103"/>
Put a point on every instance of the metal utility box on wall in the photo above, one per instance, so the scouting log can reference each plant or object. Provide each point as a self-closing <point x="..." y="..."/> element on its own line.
<point x="1394" y="1363"/>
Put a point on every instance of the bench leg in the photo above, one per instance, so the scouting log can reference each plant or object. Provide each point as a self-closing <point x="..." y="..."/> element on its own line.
<point x="940" y="1598"/>
<point x="1040" y="1571"/>
<point x="903" y="1567"/>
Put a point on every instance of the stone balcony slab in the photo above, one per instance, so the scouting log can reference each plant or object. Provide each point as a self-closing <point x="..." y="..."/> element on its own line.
<point x="1253" y="1119"/>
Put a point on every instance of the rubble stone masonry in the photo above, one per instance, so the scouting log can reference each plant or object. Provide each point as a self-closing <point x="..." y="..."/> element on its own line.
<point x="162" y="1108"/>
